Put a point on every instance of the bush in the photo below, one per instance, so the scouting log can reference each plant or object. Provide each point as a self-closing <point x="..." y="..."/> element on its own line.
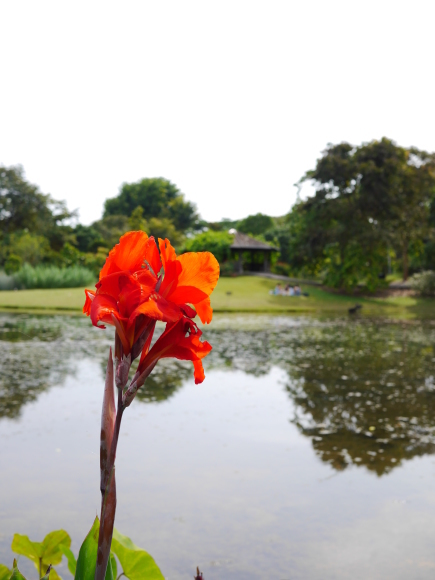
<point x="29" y="247"/>
<point x="424" y="283"/>
<point x="13" y="264"/>
<point x="218" y="243"/>
<point x="53" y="277"/>
<point x="282" y="269"/>
<point x="228" y="268"/>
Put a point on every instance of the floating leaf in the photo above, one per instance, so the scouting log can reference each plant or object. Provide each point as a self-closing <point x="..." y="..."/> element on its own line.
<point x="87" y="560"/>
<point x="136" y="563"/>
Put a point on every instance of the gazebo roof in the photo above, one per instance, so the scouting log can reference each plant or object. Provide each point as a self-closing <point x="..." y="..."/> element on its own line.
<point x="245" y="242"/>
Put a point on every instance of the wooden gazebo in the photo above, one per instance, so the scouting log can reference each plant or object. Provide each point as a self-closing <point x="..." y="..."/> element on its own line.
<point x="244" y="243"/>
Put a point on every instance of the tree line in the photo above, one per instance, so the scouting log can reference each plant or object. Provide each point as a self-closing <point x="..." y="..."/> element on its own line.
<point x="372" y="213"/>
<point x="36" y="229"/>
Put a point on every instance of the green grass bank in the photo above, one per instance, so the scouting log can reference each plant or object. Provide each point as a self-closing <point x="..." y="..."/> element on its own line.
<point x="243" y="294"/>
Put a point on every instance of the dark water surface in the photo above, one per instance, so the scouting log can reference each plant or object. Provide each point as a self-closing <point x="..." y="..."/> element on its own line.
<point x="307" y="453"/>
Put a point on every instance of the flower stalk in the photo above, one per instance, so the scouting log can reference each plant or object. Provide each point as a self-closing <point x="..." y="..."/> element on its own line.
<point x="139" y="285"/>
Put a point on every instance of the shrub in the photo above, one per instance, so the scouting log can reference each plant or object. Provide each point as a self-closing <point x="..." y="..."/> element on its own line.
<point x="13" y="264"/>
<point x="424" y="283"/>
<point x="282" y="269"/>
<point x="31" y="248"/>
<point x="53" y="277"/>
<point x="218" y="243"/>
<point x="228" y="268"/>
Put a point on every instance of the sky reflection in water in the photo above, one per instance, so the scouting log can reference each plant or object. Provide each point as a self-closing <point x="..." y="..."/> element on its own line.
<point x="223" y="474"/>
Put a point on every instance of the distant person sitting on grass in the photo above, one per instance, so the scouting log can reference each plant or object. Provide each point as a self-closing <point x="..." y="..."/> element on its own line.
<point x="287" y="291"/>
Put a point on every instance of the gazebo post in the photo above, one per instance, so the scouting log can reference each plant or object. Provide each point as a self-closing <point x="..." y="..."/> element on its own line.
<point x="240" y="262"/>
<point x="266" y="262"/>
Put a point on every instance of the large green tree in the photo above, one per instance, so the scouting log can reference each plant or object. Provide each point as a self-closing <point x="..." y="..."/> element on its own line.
<point x="256" y="224"/>
<point x="368" y="200"/>
<point x="32" y="224"/>
<point x="24" y="207"/>
<point x="158" y="197"/>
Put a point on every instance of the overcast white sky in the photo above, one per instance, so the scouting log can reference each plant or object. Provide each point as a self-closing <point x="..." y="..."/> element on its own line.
<point x="231" y="100"/>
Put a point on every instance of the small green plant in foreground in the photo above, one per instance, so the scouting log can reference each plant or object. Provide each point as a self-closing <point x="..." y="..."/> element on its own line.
<point x="126" y="559"/>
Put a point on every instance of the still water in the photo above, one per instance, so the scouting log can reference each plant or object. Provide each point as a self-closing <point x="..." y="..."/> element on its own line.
<point x="307" y="453"/>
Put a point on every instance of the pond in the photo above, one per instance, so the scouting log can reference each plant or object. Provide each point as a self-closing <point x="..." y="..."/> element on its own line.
<point x="307" y="453"/>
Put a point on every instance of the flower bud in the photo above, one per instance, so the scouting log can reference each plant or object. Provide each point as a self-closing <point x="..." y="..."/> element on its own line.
<point x="122" y="370"/>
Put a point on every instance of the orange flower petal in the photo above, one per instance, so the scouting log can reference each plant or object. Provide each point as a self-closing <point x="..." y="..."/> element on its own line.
<point x="198" y="371"/>
<point x="199" y="269"/>
<point x="190" y="294"/>
<point x="127" y="255"/>
<point x="204" y="311"/>
<point x="170" y="280"/>
<point x="174" y="343"/>
<point x="157" y="308"/>
<point x="131" y="295"/>
<point x="102" y="308"/>
<point x="110" y="284"/>
<point x="152" y="255"/>
<point x="90" y="295"/>
<point x="146" y="278"/>
<point x="187" y="310"/>
<point x="167" y="252"/>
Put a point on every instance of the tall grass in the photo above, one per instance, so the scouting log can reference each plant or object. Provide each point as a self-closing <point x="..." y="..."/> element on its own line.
<point x="53" y="277"/>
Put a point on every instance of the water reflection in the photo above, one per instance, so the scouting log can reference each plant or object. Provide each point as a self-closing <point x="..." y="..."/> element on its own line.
<point x="363" y="391"/>
<point x="38" y="353"/>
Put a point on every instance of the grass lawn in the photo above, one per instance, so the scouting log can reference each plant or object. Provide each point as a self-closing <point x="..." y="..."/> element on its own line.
<point x="243" y="294"/>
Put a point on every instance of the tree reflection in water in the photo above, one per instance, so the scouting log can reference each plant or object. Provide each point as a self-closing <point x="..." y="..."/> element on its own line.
<point x="363" y="391"/>
<point x="38" y="352"/>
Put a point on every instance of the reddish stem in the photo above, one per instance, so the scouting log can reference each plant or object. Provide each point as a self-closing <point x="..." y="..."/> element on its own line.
<point x="108" y="500"/>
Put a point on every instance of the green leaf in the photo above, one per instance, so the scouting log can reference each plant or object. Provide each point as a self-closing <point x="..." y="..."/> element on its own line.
<point x="16" y="574"/>
<point x="42" y="553"/>
<point x="22" y="545"/>
<point x="114" y="565"/>
<point x="5" y="572"/>
<point x="51" y="547"/>
<point x="72" y="562"/>
<point x="136" y="563"/>
<point x="87" y="560"/>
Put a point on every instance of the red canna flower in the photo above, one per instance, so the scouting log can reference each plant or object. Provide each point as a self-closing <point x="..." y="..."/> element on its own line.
<point x="180" y="340"/>
<point x="139" y="285"/>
